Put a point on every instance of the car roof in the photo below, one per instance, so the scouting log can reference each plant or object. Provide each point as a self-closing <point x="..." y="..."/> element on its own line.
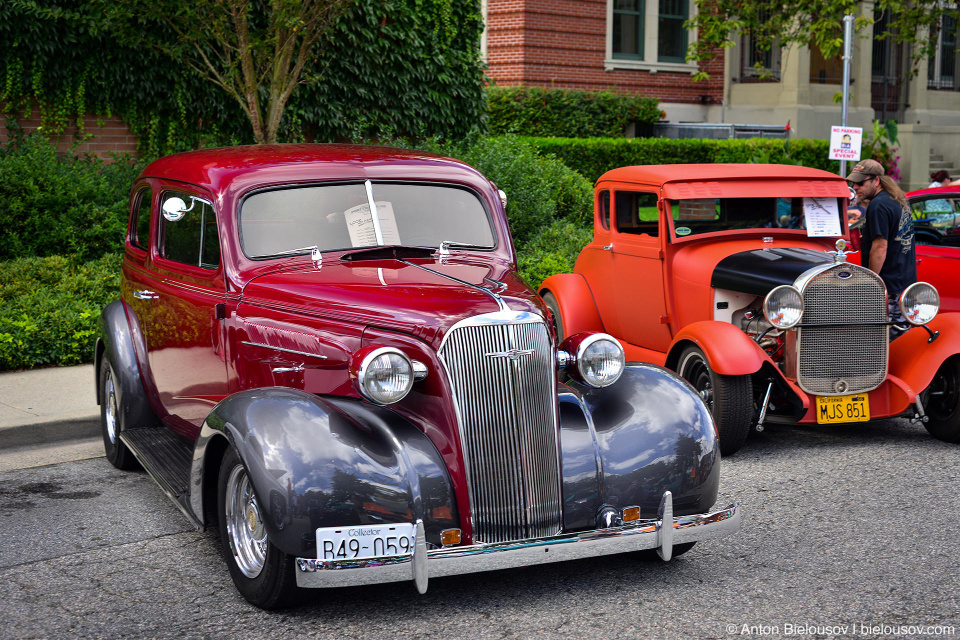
<point x="954" y="189"/>
<point x="662" y="173"/>
<point x="257" y="165"/>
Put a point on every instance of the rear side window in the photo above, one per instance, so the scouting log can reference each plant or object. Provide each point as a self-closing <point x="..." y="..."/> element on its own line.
<point x="605" y="209"/>
<point x="189" y="233"/>
<point x="637" y="213"/>
<point x="140" y="236"/>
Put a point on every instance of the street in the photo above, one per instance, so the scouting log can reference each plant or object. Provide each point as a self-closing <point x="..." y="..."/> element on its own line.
<point x="848" y="531"/>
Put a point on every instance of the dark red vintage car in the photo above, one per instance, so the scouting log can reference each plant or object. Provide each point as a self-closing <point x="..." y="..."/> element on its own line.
<point x="936" y="214"/>
<point x="327" y="351"/>
<point x="731" y="275"/>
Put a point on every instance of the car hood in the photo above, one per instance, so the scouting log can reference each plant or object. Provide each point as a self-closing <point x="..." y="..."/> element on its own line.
<point x="748" y="265"/>
<point x="421" y="297"/>
<point x="761" y="270"/>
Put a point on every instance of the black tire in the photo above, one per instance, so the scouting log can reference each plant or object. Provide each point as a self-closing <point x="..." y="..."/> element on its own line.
<point x="551" y="302"/>
<point x="111" y="420"/>
<point x="730" y="398"/>
<point x="262" y="573"/>
<point x="941" y="402"/>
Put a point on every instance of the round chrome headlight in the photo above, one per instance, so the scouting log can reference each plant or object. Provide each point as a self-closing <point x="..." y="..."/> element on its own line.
<point x="919" y="303"/>
<point x="783" y="307"/>
<point x="600" y="360"/>
<point x="385" y="375"/>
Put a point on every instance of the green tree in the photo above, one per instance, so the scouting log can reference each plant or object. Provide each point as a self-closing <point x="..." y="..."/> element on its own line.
<point x="258" y="51"/>
<point x="816" y="23"/>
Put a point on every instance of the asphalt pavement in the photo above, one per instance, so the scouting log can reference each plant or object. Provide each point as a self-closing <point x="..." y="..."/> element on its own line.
<point x="53" y="411"/>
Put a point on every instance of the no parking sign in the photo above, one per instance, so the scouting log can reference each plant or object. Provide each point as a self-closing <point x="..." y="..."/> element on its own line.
<point x="845" y="143"/>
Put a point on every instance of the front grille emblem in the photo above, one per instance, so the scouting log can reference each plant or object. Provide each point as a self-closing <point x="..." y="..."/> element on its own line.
<point x="513" y="354"/>
<point x="843" y="275"/>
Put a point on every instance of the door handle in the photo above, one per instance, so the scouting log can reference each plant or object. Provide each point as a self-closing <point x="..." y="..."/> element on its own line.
<point x="144" y="294"/>
<point x="608" y="247"/>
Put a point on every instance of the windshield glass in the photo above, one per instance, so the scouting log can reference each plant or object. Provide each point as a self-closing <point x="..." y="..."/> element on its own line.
<point x="817" y="216"/>
<point x="333" y="217"/>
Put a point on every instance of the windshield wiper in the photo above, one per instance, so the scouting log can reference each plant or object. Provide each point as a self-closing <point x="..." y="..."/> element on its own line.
<point x="396" y="252"/>
<point x="446" y="245"/>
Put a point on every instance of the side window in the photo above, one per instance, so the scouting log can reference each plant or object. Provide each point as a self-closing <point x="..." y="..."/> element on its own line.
<point x="140" y="227"/>
<point x="637" y="213"/>
<point x="604" y="204"/>
<point x="189" y="234"/>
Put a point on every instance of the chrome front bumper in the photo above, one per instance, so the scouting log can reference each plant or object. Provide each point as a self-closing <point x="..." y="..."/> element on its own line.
<point x="661" y="534"/>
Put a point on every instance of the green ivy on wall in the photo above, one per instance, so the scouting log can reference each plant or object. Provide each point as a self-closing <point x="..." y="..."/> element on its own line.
<point x="392" y="68"/>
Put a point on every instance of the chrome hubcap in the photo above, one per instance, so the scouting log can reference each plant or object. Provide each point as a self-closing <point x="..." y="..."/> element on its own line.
<point x="245" y="531"/>
<point x="110" y="403"/>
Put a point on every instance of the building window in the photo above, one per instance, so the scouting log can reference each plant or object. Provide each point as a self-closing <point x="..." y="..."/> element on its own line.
<point x="823" y="71"/>
<point x="671" y="36"/>
<point x="628" y="29"/>
<point x="756" y="63"/>
<point x="942" y="64"/>
<point x="649" y="35"/>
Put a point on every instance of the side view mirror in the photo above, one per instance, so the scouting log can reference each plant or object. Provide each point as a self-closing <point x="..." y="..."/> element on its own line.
<point x="174" y="209"/>
<point x="503" y="198"/>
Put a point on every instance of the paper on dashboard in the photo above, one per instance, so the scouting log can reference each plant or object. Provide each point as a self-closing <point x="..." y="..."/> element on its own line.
<point x="360" y="225"/>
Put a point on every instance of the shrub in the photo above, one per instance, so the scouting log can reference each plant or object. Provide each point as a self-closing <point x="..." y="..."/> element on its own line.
<point x="592" y="158"/>
<point x="49" y="308"/>
<point x="540" y="189"/>
<point x="59" y="205"/>
<point x="553" y="250"/>
<point x="566" y="112"/>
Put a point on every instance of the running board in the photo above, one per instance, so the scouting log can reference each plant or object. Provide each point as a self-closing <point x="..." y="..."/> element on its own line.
<point x="167" y="458"/>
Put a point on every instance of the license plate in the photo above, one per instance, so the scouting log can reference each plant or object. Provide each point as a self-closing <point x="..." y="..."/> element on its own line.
<point x="367" y="541"/>
<point x="832" y="409"/>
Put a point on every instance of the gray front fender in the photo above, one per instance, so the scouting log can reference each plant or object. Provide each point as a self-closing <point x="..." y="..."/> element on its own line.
<point x="326" y="462"/>
<point x="624" y="445"/>
<point x="115" y="339"/>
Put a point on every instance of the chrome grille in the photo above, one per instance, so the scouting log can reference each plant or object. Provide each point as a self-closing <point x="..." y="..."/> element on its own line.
<point x="834" y="360"/>
<point x="502" y="371"/>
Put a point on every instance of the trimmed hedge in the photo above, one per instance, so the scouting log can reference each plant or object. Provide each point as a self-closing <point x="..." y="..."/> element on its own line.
<point x="49" y="308"/>
<point x="593" y="157"/>
<point x="58" y="205"/>
<point x="566" y="112"/>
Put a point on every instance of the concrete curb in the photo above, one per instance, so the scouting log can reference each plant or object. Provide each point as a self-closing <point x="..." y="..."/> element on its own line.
<point x="57" y="432"/>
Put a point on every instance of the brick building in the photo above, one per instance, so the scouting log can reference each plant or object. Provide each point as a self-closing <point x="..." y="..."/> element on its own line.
<point x="626" y="46"/>
<point x="103" y="136"/>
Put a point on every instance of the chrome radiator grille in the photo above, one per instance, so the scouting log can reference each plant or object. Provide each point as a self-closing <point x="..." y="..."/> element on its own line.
<point x="835" y="360"/>
<point x="503" y="376"/>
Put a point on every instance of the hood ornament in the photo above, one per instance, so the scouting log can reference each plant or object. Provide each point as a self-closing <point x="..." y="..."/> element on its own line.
<point x="840" y="255"/>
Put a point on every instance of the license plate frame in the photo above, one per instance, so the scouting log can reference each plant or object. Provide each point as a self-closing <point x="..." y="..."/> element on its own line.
<point x="364" y="542"/>
<point x="840" y="409"/>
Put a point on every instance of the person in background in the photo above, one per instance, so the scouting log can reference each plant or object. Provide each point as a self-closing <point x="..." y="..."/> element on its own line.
<point x="887" y="245"/>
<point x="856" y="216"/>
<point x="940" y="179"/>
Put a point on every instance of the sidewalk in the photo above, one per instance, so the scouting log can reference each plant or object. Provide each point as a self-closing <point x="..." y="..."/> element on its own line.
<point x="48" y="407"/>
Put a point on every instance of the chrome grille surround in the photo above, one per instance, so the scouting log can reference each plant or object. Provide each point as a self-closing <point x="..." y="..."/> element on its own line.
<point x="502" y="371"/>
<point x="842" y="360"/>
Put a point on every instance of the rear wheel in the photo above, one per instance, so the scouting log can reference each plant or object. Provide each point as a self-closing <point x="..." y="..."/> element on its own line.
<point x="554" y="308"/>
<point x="941" y="402"/>
<point x="730" y="398"/>
<point x="262" y="573"/>
<point x="110" y="420"/>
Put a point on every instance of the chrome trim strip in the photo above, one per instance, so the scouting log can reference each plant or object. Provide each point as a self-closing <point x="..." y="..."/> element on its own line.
<point x="500" y="303"/>
<point x="294" y="351"/>
<point x="450" y="561"/>
<point x="374" y="216"/>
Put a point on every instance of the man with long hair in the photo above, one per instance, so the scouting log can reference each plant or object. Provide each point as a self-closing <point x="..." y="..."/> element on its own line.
<point x="886" y="247"/>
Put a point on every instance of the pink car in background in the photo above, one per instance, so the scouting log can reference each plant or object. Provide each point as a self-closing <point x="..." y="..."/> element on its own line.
<point x="936" y="214"/>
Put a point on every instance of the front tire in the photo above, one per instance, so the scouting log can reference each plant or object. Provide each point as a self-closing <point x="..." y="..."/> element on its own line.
<point x="262" y="573"/>
<point x="730" y="398"/>
<point x="110" y="419"/>
<point x="941" y="402"/>
<point x="556" y="320"/>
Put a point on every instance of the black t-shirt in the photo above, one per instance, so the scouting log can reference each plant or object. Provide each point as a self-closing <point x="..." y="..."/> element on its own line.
<point x="887" y="218"/>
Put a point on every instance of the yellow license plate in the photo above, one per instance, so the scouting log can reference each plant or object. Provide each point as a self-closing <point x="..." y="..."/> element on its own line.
<point x="832" y="409"/>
